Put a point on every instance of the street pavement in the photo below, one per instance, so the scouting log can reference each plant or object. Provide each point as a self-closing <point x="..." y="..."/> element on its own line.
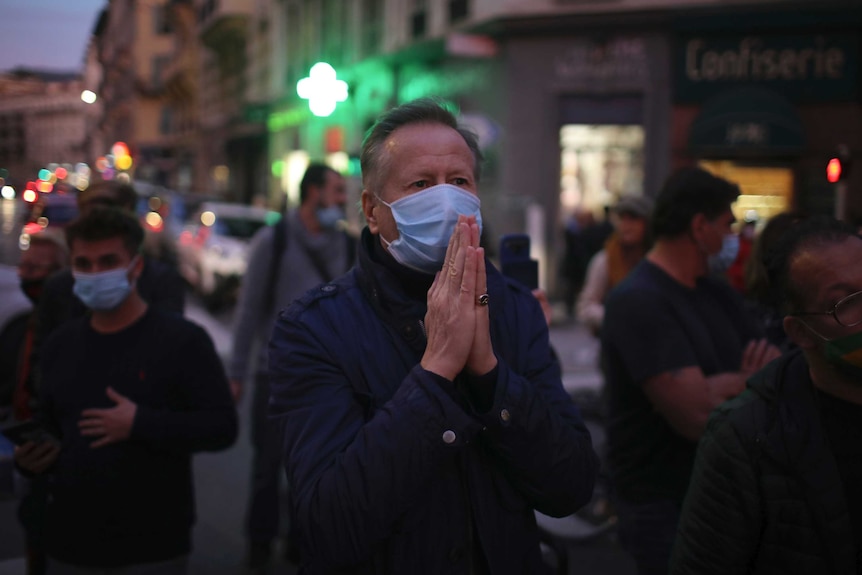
<point x="221" y="479"/>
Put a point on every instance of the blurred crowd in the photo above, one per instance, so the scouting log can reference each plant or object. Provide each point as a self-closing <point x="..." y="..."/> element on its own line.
<point x="406" y="392"/>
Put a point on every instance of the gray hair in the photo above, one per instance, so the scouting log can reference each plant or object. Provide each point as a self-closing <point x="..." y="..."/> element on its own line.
<point x="56" y="241"/>
<point x="421" y="111"/>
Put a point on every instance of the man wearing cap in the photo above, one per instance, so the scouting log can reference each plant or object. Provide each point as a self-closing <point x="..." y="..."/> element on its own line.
<point x="622" y="251"/>
<point x="423" y="413"/>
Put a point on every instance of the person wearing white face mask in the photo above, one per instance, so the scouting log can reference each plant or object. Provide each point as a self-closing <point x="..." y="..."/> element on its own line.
<point x="676" y="342"/>
<point x="129" y="392"/>
<point x="305" y="248"/>
<point x="423" y="413"/>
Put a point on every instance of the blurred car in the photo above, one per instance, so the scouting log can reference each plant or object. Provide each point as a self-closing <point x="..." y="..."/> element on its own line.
<point x="212" y="249"/>
<point x="51" y="210"/>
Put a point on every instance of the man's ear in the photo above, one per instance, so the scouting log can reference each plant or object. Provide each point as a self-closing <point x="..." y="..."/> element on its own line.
<point x="799" y="333"/>
<point x="697" y="226"/>
<point x="139" y="265"/>
<point x="368" y="205"/>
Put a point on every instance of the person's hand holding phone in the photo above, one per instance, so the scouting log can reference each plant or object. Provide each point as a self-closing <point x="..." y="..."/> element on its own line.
<point x="36" y="457"/>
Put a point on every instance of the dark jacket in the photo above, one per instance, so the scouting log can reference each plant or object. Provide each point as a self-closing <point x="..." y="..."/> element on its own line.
<point x="766" y="495"/>
<point x="392" y="470"/>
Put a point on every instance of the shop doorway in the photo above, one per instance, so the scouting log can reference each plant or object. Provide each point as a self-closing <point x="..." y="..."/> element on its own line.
<point x="599" y="163"/>
<point x="766" y="190"/>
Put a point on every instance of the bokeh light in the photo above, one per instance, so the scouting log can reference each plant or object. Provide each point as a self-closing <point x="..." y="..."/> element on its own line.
<point x="208" y="218"/>
<point x="154" y="221"/>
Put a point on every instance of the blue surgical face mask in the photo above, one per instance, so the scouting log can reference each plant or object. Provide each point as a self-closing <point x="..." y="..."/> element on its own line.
<point x="721" y="262"/>
<point x="425" y="222"/>
<point x="328" y="218"/>
<point x="103" y="291"/>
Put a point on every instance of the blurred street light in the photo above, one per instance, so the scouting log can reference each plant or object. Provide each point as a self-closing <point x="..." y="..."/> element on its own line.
<point x="88" y="96"/>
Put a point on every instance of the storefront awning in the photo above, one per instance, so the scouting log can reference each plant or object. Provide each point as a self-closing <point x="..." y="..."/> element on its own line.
<point x="749" y="121"/>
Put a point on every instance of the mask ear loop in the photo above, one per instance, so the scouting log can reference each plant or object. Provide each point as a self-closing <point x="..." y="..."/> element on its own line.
<point x="386" y="242"/>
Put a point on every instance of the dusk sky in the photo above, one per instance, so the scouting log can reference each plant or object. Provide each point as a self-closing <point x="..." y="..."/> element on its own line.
<point x="46" y="34"/>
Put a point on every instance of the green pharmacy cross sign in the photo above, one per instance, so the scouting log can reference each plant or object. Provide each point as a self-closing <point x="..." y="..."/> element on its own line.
<point x="322" y="90"/>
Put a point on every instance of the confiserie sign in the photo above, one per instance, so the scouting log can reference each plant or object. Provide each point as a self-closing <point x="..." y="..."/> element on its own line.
<point x="802" y="68"/>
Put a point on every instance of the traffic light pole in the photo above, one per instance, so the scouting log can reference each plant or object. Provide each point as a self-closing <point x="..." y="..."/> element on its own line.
<point x="841" y="200"/>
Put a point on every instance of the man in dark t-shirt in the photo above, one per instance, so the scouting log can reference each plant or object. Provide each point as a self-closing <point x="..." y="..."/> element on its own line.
<point x="675" y="344"/>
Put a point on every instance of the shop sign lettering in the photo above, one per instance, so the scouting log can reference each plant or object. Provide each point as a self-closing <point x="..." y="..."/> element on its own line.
<point x="802" y="68"/>
<point x="750" y="59"/>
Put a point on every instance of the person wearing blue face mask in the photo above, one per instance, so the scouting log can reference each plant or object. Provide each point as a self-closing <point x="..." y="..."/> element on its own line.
<point x="676" y="342"/>
<point x="775" y="488"/>
<point x="129" y="392"/>
<point x="422" y="410"/>
<point x="307" y="247"/>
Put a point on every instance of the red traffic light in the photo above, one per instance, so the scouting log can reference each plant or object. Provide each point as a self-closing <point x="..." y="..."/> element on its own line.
<point x="833" y="170"/>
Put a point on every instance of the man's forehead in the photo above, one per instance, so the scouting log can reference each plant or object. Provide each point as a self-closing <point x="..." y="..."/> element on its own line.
<point x="97" y="248"/>
<point x="822" y="269"/>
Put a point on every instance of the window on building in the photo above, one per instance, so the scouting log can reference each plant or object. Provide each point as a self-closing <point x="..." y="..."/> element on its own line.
<point x="311" y="34"/>
<point x="160" y="64"/>
<point x="205" y="10"/>
<point x="419" y="19"/>
<point x="334" y="31"/>
<point x="458" y="10"/>
<point x="372" y="27"/>
<point x="161" y="20"/>
<point x="294" y="43"/>
<point x="166" y="120"/>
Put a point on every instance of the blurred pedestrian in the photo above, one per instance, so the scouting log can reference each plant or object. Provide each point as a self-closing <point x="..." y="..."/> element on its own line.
<point x="46" y="254"/>
<point x="775" y="486"/>
<point x="304" y="249"/>
<point x="736" y="271"/>
<point x="129" y="392"/>
<point x="160" y="284"/>
<point x="622" y="251"/>
<point x="676" y="342"/>
<point x="576" y="257"/>
<point x="424" y="415"/>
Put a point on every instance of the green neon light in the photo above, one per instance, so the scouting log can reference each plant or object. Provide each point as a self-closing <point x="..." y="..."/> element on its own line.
<point x="322" y="90"/>
<point x="278" y="121"/>
<point x="277" y="168"/>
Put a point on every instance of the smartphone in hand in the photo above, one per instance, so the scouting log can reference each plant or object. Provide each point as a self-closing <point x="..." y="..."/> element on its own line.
<point x="30" y="430"/>
<point x="515" y="261"/>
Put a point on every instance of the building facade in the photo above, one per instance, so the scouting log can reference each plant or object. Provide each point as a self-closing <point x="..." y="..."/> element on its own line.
<point x="136" y="47"/>
<point x="42" y="122"/>
<point x="234" y="83"/>
<point x="577" y="103"/>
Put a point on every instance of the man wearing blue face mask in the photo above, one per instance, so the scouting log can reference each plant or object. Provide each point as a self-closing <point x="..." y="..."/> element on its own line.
<point x="676" y="342"/>
<point x="775" y="487"/>
<point x="307" y="247"/>
<point x="423" y="414"/>
<point x="129" y="392"/>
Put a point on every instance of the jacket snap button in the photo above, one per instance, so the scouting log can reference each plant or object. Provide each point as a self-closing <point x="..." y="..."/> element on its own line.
<point x="449" y="436"/>
<point x="504" y="415"/>
<point x="328" y="288"/>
